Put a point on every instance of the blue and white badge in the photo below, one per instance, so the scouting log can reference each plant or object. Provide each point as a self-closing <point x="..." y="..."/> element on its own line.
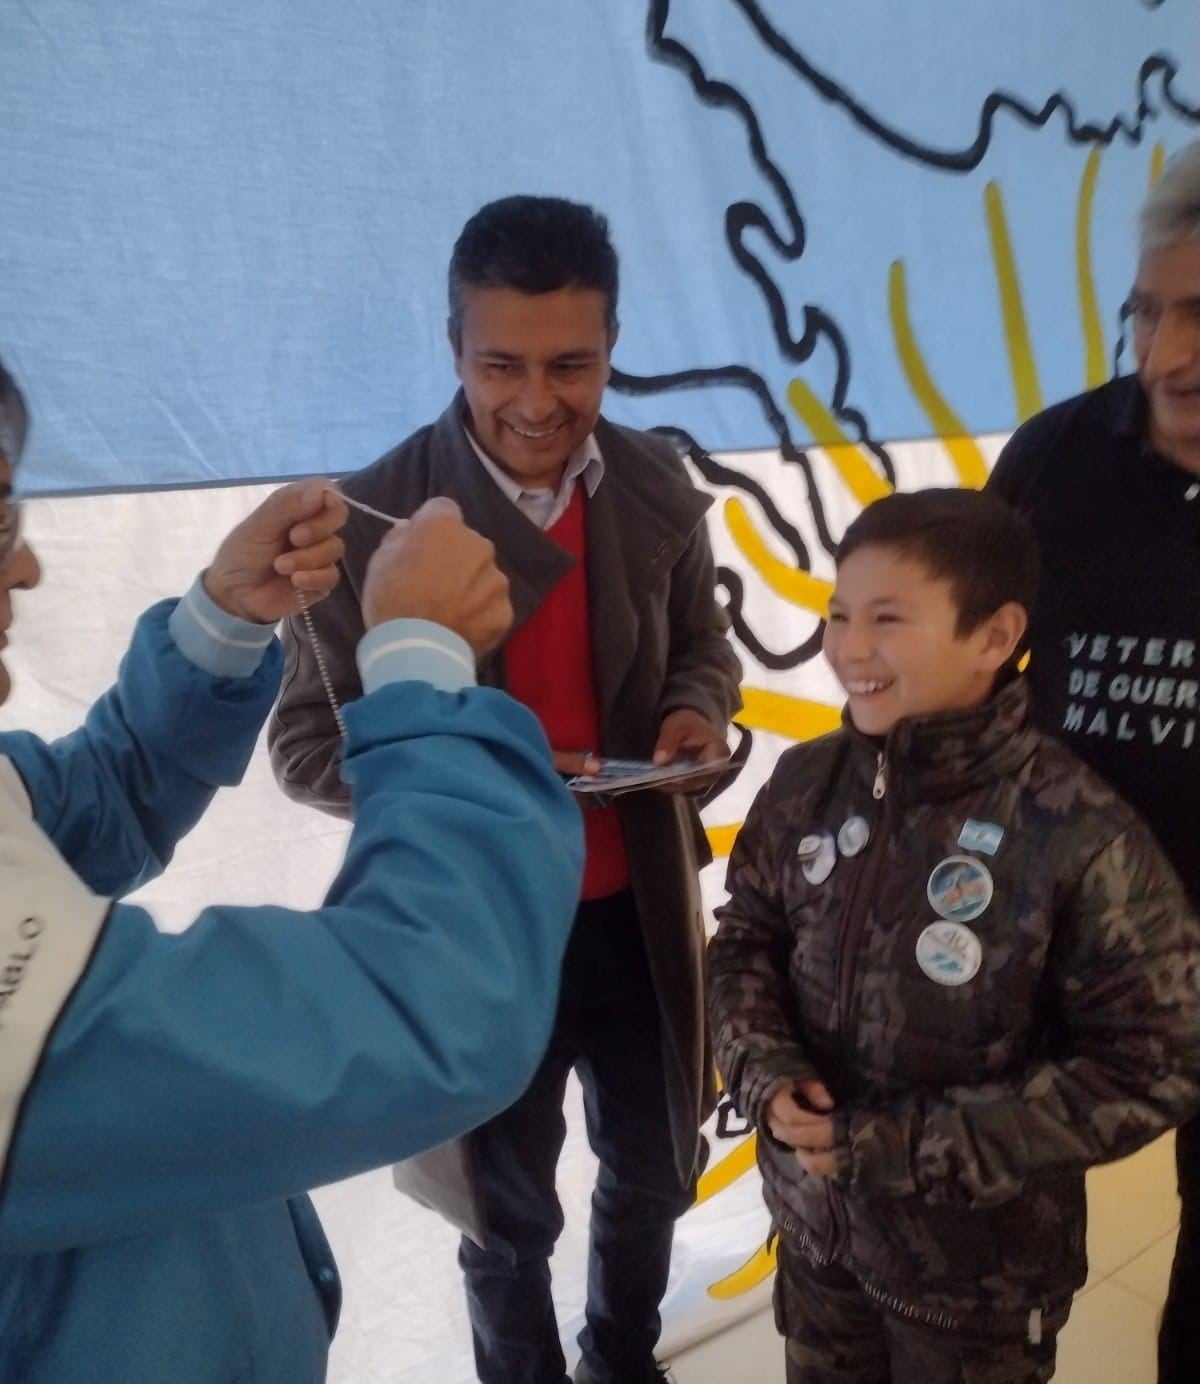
<point x="949" y="953"/>
<point x="819" y="865"/>
<point x="984" y="837"/>
<point x="960" y="888"/>
<point x="853" y="835"/>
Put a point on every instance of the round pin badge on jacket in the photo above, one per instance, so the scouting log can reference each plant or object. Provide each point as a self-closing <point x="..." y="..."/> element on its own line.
<point x="819" y="865"/>
<point x="960" y="888"/>
<point x="853" y="835"/>
<point x="949" y="953"/>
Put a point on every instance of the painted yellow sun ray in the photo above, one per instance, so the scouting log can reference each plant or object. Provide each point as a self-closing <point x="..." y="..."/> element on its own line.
<point x="757" y="1269"/>
<point x="721" y="839"/>
<point x="1016" y="329"/>
<point x="728" y="1170"/>
<point x="849" y="460"/>
<point x="1095" y="369"/>
<point x="1157" y="158"/>
<point x="964" y="452"/>
<point x="800" y="588"/>
<point x="796" y="718"/>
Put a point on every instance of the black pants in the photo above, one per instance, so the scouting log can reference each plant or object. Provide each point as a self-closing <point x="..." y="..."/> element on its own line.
<point x="1179" y="1336"/>
<point x="607" y="1029"/>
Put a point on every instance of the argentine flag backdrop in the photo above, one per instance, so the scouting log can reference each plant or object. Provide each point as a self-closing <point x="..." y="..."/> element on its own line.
<point x="860" y="241"/>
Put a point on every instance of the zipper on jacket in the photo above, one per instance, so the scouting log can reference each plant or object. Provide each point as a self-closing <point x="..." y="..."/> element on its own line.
<point x="856" y="912"/>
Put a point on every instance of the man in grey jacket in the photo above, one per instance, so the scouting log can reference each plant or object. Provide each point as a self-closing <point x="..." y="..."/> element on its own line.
<point x="621" y="649"/>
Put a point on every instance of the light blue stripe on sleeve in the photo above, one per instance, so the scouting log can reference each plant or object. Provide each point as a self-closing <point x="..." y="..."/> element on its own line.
<point x="415" y="651"/>
<point x="212" y="639"/>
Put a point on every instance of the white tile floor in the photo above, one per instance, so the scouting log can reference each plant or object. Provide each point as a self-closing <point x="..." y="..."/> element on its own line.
<point x="1110" y="1339"/>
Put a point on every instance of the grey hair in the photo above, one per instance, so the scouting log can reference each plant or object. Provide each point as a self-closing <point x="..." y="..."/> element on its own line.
<point x="1171" y="211"/>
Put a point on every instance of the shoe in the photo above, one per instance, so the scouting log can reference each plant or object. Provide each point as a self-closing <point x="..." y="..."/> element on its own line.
<point x="659" y="1374"/>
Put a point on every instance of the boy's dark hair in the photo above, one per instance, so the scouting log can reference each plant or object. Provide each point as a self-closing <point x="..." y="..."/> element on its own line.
<point x="535" y="245"/>
<point x="14" y="417"/>
<point x="975" y="541"/>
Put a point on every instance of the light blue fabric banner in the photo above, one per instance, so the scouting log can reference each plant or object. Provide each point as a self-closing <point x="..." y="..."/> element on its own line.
<point x="225" y="227"/>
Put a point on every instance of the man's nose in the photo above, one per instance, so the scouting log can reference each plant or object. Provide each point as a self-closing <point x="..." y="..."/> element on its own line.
<point x="537" y="401"/>
<point x="22" y="571"/>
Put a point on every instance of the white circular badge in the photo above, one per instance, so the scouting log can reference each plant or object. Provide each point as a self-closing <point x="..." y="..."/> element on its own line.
<point x="819" y="866"/>
<point x="949" y="953"/>
<point x="853" y="836"/>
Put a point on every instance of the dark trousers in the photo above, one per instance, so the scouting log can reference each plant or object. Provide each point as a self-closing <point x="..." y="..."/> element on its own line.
<point x="1179" y="1335"/>
<point x="837" y="1335"/>
<point x="607" y="1028"/>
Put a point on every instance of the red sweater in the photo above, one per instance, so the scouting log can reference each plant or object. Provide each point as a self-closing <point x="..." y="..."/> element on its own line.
<point x="549" y="662"/>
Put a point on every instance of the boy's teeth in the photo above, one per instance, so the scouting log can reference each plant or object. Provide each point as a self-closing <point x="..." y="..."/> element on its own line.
<point x="861" y="688"/>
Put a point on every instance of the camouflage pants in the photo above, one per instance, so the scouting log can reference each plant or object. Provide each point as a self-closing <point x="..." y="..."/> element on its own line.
<point x="837" y="1335"/>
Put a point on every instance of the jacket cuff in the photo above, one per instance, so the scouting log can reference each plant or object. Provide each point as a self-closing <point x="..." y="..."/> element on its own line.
<point x="214" y="641"/>
<point x="787" y="1066"/>
<point x="415" y="651"/>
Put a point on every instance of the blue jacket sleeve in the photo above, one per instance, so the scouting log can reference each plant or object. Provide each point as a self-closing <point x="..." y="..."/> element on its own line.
<point x="265" y="1051"/>
<point x="117" y="795"/>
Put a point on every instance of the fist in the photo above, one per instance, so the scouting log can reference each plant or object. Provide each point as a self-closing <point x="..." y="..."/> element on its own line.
<point x="281" y="556"/>
<point x="433" y="567"/>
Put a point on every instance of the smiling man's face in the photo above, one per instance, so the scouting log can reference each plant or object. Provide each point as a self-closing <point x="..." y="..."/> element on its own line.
<point x="533" y="368"/>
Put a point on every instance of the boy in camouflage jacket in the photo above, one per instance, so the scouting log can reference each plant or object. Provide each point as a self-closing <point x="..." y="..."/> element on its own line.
<point x="954" y="972"/>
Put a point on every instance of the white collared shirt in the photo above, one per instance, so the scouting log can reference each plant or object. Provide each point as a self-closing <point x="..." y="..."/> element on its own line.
<point x="545" y="507"/>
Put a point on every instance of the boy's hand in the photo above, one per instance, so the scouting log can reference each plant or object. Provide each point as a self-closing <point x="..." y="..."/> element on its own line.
<point x="801" y="1116"/>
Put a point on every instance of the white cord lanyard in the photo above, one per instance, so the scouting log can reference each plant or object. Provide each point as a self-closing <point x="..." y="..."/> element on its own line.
<point x="306" y="616"/>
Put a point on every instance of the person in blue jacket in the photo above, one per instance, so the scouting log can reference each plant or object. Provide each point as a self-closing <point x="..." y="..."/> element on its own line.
<point x="165" y="1100"/>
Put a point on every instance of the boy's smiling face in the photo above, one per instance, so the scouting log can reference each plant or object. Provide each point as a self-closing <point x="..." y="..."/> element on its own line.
<point x="893" y="641"/>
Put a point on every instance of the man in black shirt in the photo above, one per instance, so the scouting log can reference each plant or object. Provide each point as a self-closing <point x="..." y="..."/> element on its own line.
<point x="1111" y="482"/>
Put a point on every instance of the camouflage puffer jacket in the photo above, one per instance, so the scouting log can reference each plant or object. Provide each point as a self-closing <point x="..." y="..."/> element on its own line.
<point x="998" y="985"/>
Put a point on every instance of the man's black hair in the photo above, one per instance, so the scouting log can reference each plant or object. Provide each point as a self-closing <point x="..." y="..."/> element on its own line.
<point x="534" y="245"/>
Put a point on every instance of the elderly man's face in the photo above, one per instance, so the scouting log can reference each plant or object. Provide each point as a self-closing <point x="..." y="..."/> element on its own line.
<point x="1166" y="318"/>
<point x="19" y="570"/>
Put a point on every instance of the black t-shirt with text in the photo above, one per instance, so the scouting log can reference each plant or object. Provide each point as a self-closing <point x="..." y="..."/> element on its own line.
<point x="1115" y="634"/>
